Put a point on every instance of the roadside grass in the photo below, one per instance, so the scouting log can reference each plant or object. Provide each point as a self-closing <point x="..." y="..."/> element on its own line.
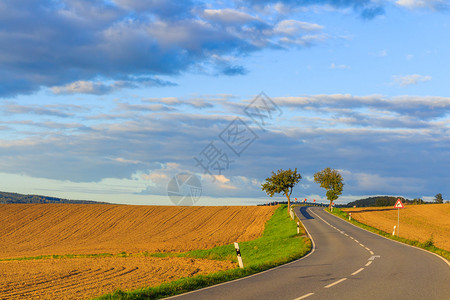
<point x="278" y="245"/>
<point x="427" y="245"/>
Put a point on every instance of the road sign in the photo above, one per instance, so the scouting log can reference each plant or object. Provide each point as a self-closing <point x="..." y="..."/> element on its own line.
<point x="399" y="204"/>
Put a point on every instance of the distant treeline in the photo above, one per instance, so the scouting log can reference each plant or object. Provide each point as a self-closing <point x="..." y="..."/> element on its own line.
<point x="19" y="198"/>
<point x="384" y="201"/>
<point x="367" y="202"/>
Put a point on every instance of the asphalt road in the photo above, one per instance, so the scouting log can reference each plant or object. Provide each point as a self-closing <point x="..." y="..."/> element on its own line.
<point x="345" y="263"/>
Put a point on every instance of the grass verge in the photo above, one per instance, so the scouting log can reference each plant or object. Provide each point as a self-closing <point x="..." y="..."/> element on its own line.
<point x="279" y="244"/>
<point x="427" y="245"/>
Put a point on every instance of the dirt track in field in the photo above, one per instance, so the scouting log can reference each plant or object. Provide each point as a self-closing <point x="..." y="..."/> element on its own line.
<point x="84" y="278"/>
<point x="30" y="230"/>
<point x="417" y="222"/>
<point x="48" y="229"/>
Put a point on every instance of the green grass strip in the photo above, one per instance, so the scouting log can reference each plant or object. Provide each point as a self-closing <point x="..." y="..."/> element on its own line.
<point x="65" y="256"/>
<point x="279" y="244"/>
<point x="427" y="245"/>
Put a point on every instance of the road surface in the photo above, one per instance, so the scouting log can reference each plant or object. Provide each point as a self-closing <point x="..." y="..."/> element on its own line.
<point x="346" y="263"/>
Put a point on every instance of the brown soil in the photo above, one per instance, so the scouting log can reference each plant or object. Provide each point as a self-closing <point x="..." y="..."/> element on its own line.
<point x="43" y="229"/>
<point x="83" y="278"/>
<point x="417" y="222"/>
<point x="29" y="230"/>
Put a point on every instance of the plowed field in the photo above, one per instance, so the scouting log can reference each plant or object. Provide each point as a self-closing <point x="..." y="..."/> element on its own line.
<point x="43" y="229"/>
<point x="417" y="222"/>
<point x="83" y="278"/>
<point x="29" y="230"/>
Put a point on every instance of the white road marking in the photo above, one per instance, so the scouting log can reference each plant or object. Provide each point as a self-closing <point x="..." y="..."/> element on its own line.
<point x="304" y="296"/>
<point x="356" y="241"/>
<point x="345" y="234"/>
<point x="371" y="252"/>
<point x="367" y="248"/>
<point x="368" y="263"/>
<point x="356" y="272"/>
<point x="334" y="283"/>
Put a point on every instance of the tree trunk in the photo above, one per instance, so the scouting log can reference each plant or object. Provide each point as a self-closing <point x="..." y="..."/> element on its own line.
<point x="329" y="207"/>
<point x="289" y="204"/>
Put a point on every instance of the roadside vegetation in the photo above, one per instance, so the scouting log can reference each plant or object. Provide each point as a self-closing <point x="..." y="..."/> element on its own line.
<point x="427" y="245"/>
<point x="279" y="244"/>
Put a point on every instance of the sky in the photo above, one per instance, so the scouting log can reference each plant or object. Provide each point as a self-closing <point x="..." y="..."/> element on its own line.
<point x="197" y="102"/>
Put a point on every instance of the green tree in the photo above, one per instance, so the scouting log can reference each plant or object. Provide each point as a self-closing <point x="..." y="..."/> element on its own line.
<point x="331" y="181"/>
<point x="418" y="201"/>
<point x="282" y="182"/>
<point x="438" y="198"/>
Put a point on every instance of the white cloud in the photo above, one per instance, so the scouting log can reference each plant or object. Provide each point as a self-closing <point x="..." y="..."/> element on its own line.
<point x="334" y="66"/>
<point x="362" y="181"/>
<point x="293" y="27"/>
<point x="431" y="4"/>
<point x="376" y="135"/>
<point x="229" y="16"/>
<point x="410" y="79"/>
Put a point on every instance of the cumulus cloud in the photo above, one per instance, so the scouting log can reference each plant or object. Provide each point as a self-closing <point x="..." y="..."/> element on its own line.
<point x="293" y="27"/>
<point x="98" y="47"/>
<point x="230" y="16"/>
<point x="368" y="9"/>
<point x="41" y="110"/>
<point x="412" y="79"/>
<point x="100" y="87"/>
<point x="378" y="139"/>
<point x="85" y="47"/>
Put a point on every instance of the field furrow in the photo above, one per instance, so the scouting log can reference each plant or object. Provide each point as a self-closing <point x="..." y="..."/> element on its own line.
<point x="81" y="278"/>
<point x="43" y="229"/>
<point x="33" y="230"/>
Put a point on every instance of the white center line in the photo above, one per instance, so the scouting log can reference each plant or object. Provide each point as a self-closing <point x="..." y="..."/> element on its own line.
<point x="371" y="252"/>
<point x="356" y="272"/>
<point x="368" y="263"/>
<point x="334" y="283"/>
<point x="304" y="296"/>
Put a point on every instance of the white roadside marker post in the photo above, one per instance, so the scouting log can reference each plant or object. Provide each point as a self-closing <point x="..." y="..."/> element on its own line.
<point x="393" y="232"/>
<point x="239" y="257"/>
<point x="298" y="227"/>
<point x="349" y="216"/>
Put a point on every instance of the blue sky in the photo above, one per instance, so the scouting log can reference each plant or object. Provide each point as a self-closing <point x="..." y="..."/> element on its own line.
<point x="108" y="100"/>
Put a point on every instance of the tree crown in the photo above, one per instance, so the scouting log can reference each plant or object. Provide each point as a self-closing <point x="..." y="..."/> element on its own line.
<point x="281" y="182"/>
<point x="438" y="198"/>
<point x="331" y="180"/>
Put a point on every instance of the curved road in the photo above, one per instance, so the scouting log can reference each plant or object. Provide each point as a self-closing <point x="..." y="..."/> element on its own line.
<point x="345" y="263"/>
